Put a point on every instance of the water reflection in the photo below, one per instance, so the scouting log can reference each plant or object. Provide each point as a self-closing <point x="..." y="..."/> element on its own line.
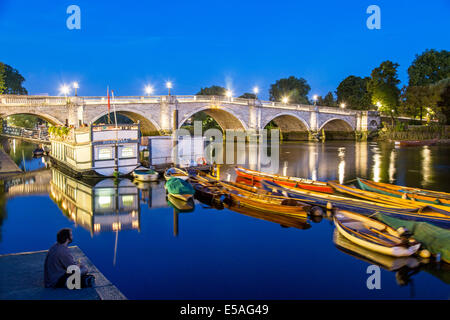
<point x="97" y="206"/>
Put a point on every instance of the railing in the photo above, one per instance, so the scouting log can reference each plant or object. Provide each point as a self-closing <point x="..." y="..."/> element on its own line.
<point x="15" y="100"/>
<point x="37" y="134"/>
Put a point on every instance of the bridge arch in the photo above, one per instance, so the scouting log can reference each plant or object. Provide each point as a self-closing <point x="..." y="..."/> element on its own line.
<point x="292" y="127"/>
<point x="148" y="126"/>
<point x="338" y="129"/>
<point x="50" y="119"/>
<point x="224" y="116"/>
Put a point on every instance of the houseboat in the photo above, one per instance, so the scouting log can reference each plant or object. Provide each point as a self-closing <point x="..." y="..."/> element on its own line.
<point x="96" y="149"/>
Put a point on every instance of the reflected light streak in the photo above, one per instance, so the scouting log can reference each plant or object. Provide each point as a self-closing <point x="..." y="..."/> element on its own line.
<point x="426" y="165"/>
<point x="391" y="170"/>
<point x="376" y="167"/>
<point x="341" y="166"/>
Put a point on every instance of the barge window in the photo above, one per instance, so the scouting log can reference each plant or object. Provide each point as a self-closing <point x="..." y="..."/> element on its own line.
<point x="104" y="153"/>
<point x="127" y="152"/>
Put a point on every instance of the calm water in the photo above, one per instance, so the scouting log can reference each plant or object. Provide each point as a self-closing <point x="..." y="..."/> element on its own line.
<point x="221" y="254"/>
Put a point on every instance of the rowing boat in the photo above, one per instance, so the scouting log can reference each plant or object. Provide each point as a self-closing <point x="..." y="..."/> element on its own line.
<point x="408" y="193"/>
<point x="412" y="143"/>
<point x="208" y="192"/>
<point x="250" y="197"/>
<point x="385" y="199"/>
<point x="179" y="189"/>
<point x="373" y="235"/>
<point x="387" y="262"/>
<point x="407" y="212"/>
<point x="175" y="173"/>
<point x="284" y="180"/>
<point x="181" y="204"/>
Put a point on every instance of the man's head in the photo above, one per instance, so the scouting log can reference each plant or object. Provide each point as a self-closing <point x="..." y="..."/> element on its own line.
<point x="64" y="236"/>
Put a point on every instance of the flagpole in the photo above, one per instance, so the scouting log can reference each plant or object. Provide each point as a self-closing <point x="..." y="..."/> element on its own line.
<point x="109" y="106"/>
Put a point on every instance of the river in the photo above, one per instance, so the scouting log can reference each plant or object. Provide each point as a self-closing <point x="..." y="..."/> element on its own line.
<point x="149" y="251"/>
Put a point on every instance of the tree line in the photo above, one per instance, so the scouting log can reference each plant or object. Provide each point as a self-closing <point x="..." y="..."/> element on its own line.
<point x="427" y="94"/>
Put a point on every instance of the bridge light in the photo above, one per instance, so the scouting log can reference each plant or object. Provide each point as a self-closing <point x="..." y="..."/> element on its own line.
<point x="378" y="104"/>
<point x="64" y="89"/>
<point x="148" y="90"/>
<point x="256" y="91"/>
<point x="315" y="97"/>
<point x="285" y="100"/>
<point x="169" y="86"/>
<point x="343" y="105"/>
<point x="229" y="93"/>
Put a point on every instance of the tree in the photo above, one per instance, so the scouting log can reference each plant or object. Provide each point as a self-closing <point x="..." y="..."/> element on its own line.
<point x="295" y="89"/>
<point x="12" y="80"/>
<point x="248" y="96"/>
<point x="212" y="91"/>
<point x="2" y="78"/>
<point x="417" y="99"/>
<point x="443" y="105"/>
<point x="429" y="67"/>
<point x="328" y="100"/>
<point x="353" y="92"/>
<point x="382" y="86"/>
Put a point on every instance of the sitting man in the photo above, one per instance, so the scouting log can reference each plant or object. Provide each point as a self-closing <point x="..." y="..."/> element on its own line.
<point x="58" y="259"/>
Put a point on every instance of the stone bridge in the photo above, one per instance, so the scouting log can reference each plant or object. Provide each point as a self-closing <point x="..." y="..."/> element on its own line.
<point x="162" y="114"/>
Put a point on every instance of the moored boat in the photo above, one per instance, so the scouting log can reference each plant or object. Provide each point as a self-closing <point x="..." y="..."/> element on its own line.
<point x="249" y="197"/>
<point x="407" y="193"/>
<point x="284" y="180"/>
<point x="176" y="173"/>
<point x="145" y="174"/>
<point x="179" y="189"/>
<point x="411" y="143"/>
<point x="374" y="235"/>
<point x="181" y="204"/>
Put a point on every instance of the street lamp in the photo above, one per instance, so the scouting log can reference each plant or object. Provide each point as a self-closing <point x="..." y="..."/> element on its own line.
<point x="169" y="86"/>
<point x="64" y="89"/>
<point x="285" y="100"/>
<point x="343" y="105"/>
<point x="378" y="104"/>
<point x="256" y="91"/>
<point x="75" y="86"/>
<point x="229" y="93"/>
<point x="148" y="90"/>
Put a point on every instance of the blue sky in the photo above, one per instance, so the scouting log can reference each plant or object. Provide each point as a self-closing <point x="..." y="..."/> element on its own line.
<point x="238" y="44"/>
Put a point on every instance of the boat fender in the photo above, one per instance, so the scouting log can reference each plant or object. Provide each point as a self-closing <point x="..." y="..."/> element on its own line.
<point x="402" y="230"/>
<point x="424" y="254"/>
<point x="316" y="211"/>
<point x="329" y="206"/>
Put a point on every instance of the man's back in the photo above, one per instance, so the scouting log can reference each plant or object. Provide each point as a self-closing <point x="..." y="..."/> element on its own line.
<point x="56" y="263"/>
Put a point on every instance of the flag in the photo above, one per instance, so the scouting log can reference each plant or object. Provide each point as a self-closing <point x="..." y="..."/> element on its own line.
<point x="107" y="94"/>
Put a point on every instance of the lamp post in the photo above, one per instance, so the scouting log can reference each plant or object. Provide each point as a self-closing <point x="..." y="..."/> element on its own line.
<point x="285" y="100"/>
<point x="315" y="97"/>
<point x="343" y="105"/>
<point x="229" y="94"/>
<point x="64" y="89"/>
<point x="256" y="91"/>
<point x="169" y="86"/>
<point x="75" y="86"/>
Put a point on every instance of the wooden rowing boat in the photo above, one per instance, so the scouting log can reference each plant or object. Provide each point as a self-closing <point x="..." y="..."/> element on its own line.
<point x="250" y="197"/>
<point x="181" y="203"/>
<point x="407" y="212"/>
<point x="373" y="235"/>
<point x="207" y="192"/>
<point x="385" y="199"/>
<point x="414" y="143"/>
<point x="407" y="193"/>
<point x="389" y="263"/>
<point x="284" y="180"/>
<point x="175" y="173"/>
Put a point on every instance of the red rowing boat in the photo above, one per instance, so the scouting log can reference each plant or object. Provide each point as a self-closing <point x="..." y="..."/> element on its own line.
<point x="410" y="143"/>
<point x="306" y="184"/>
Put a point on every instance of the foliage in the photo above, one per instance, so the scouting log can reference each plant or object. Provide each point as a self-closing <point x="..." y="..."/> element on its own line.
<point x="248" y="95"/>
<point x="58" y="131"/>
<point x="207" y="122"/>
<point x="295" y="89"/>
<point x="12" y="80"/>
<point x="2" y="78"/>
<point x="353" y="92"/>
<point x="401" y="131"/>
<point x="382" y="86"/>
<point x="429" y="67"/>
<point x="23" y="120"/>
<point x="212" y="91"/>
<point x="328" y="100"/>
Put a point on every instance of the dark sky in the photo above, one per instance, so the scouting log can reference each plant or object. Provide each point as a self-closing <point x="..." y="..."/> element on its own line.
<point x="238" y="44"/>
